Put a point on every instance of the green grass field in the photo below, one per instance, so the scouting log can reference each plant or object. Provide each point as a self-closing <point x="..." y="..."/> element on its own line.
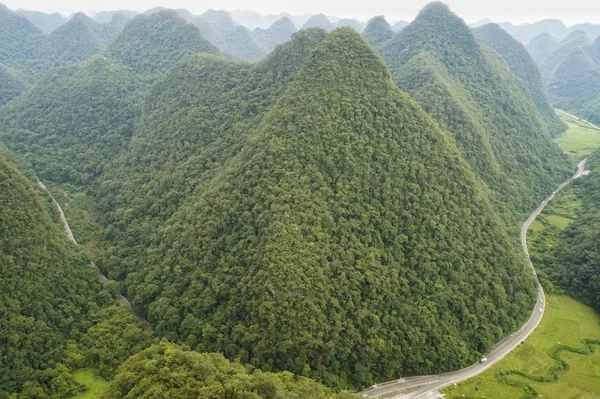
<point x="580" y="139"/>
<point x="96" y="385"/>
<point x="566" y="323"/>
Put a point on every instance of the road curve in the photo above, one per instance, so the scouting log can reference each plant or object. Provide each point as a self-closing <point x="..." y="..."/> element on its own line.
<point x="120" y="298"/>
<point x="425" y="387"/>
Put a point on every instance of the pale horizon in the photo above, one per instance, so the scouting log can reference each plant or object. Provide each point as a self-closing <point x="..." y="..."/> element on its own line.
<point x="575" y="12"/>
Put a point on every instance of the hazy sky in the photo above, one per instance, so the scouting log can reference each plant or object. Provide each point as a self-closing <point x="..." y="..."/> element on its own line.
<point x="516" y="11"/>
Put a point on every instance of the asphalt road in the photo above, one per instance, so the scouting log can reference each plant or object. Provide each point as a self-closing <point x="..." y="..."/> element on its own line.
<point x="425" y="387"/>
<point x="120" y="298"/>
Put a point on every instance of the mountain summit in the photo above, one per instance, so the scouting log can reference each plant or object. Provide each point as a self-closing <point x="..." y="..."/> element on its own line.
<point x="347" y="226"/>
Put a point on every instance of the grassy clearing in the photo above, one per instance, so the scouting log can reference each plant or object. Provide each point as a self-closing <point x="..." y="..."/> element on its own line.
<point x="566" y="323"/>
<point x="96" y="385"/>
<point x="580" y="139"/>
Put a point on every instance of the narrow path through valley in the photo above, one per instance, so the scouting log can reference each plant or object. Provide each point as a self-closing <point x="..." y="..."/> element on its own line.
<point x="425" y="387"/>
<point x="120" y="298"/>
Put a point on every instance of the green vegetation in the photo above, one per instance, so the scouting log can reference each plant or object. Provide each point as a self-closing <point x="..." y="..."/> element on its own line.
<point x="541" y="46"/>
<point x="378" y="31"/>
<point x="567" y="257"/>
<point x="580" y="139"/>
<point x="317" y="263"/>
<point x="559" y="360"/>
<point x="481" y="105"/>
<point x="66" y="134"/>
<point x="79" y="39"/>
<point x="48" y="294"/>
<point x="523" y="66"/>
<point x="151" y="43"/>
<point x="93" y="383"/>
<point x="279" y="32"/>
<point x="572" y="76"/>
<point x="167" y="371"/>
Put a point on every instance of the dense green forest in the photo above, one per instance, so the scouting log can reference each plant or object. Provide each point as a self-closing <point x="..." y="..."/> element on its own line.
<point x="378" y="31"/>
<point x="80" y="38"/>
<point x="48" y="293"/>
<point x="47" y="23"/>
<point x="168" y="371"/>
<point x="154" y="42"/>
<point x="73" y="121"/>
<point x="571" y="73"/>
<point x="541" y="46"/>
<point x="522" y="65"/>
<point x="484" y="107"/>
<point x="300" y="214"/>
<point x="314" y="249"/>
<point x="569" y="258"/>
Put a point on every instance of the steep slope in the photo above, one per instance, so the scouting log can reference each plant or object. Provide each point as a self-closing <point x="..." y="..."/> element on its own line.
<point x="236" y="41"/>
<point x="222" y="19"/>
<point x="47" y="23"/>
<point x="521" y="64"/>
<point x="67" y="134"/>
<point x="575" y="85"/>
<point x="346" y="227"/>
<point x="11" y="84"/>
<point x="280" y="32"/>
<point x="319" y="21"/>
<point x="22" y="45"/>
<point x="350" y="23"/>
<point x="398" y="26"/>
<point x="104" y="17"/>
<point x="541" y="46"/>
<point x="525" y="32"/>
<point x="548" y="67"/>
<point x="200" y="375"/>
<point x="481" y="104"/>
<point x="78" y="39"/>
<point x="194" y="120"/>
<point x="150" y="43"/>
<point x="378" y="31"/>
<point x="47" y="291"/>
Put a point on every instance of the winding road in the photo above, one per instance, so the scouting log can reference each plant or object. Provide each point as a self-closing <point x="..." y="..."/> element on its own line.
<point x="120" y="298"/>
<point x="426" y="387"/>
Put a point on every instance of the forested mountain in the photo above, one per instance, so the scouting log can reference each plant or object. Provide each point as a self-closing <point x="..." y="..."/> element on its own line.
<point x="12" y="83"/>
<point x="378" y="31"/>
<point x="222" y="19"/>
<point x="22" y="45"/>
<point x="481" y="104"/>
<point x="73" y="121"/>
<point x="47" y="23"/>
<point x="569" y="258"/>
<point x="290" y="232"/>
<point x="184" y="374"/>
<point x="571" y="74"/>
<point x="154" y="42"/>
<point x="79" y="39"/>
<point x="575" y="85"/>
<point x="541" y="46"/>
<point x="560" y="53"/>
<point x="523" y="66"/>
<point x="237" y="41"/>
<point x="319" y="21"/>
<point x="181" y="139"/>
<point x="525" y="32"/>
<point x="280" y="32"/>
<point x="47" y="292"/>
<point x="105" y="17"/>
<point x="398" y="26"/>
<point x="350" y="23"/>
